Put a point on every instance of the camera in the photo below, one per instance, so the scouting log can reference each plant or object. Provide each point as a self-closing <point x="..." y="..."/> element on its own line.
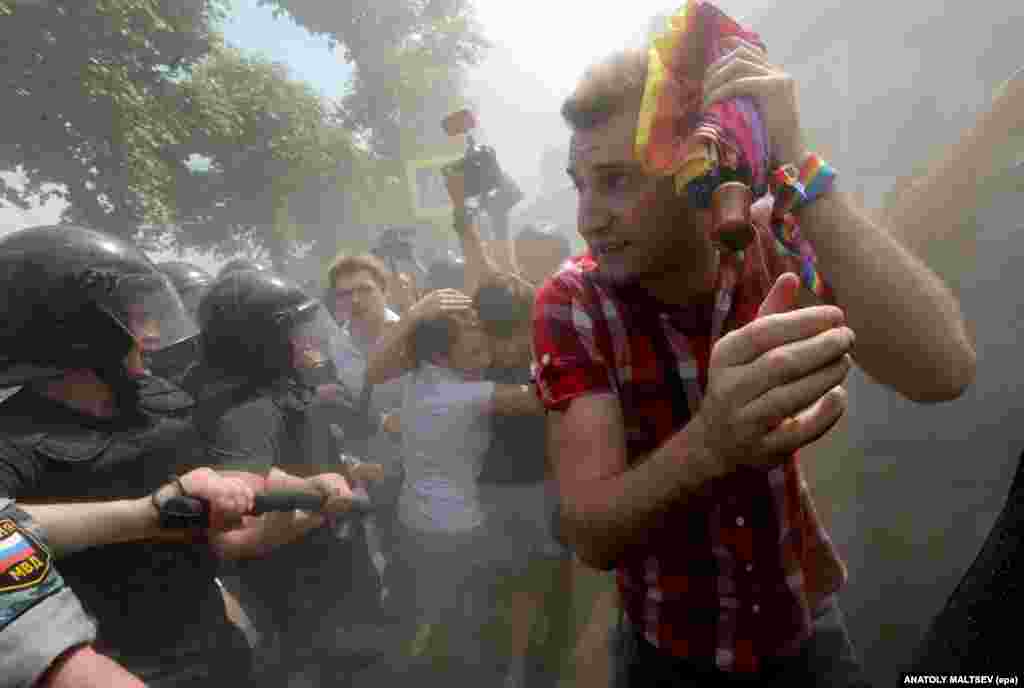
<point x="480" y="168"/>
<point x="484" y="179"/>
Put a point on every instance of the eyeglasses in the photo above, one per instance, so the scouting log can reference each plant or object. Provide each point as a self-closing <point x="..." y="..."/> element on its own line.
<point x="346" y="294"/>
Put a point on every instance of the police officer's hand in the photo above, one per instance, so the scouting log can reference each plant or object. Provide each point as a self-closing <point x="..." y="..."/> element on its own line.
<point x="261" y="534"/>
<point x="368" y="473"/>
<point x="335" y="488"/>
<point x="774" y="385"/>
<point x="228" y="496"/>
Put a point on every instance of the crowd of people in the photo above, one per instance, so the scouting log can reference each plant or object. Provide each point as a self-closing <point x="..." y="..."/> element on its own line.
<point x="210" y="480"/>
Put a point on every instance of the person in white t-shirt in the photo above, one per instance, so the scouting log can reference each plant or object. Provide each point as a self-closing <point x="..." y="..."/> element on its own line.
<point x="446" y="430"/>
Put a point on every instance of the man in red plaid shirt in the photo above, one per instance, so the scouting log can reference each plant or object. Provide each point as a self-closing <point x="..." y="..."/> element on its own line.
<point x="675" y="453"/>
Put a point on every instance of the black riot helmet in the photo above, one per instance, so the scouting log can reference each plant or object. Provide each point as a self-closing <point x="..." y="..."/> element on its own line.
<point x="189" y="280"/>
<point x="239" y="264"/>
<point x="76" y="298"/>
<point x="264" y="326"/>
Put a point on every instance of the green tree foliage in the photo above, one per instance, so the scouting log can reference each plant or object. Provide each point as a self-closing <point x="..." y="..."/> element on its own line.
<point x="91" y="103"/>
<point x="274" y="160"/>
<point x="112" y="102"/>
<point x="410" y="59"/>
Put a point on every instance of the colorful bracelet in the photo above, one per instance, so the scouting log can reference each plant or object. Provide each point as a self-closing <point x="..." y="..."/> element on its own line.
<point x="817" y="177"/>
<point x="787" y="189"/>
<point x="794" y="189"/>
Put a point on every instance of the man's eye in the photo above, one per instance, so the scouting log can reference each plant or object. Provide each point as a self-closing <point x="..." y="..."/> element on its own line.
<point x="616" y="181"/>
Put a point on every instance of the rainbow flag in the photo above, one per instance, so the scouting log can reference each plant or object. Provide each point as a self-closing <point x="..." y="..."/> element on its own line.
<point x="13" y="549"/>
<point x="675" y="137"/>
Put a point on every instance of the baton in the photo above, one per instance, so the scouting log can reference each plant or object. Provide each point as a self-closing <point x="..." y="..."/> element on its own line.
<point x="192" y="512"/>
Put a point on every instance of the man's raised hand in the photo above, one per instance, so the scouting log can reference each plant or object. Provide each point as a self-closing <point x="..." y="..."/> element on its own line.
<point x="774" y="385"/>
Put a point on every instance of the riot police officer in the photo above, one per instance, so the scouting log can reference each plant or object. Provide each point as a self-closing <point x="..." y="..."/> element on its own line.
<point x="87" y="445"/>
<point x="267" y="346"/>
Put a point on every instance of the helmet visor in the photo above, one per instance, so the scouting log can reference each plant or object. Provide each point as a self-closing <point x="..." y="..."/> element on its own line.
<point x="315" y="344"/>
<point x="150" y="309"/>
<point x="191" y="297"/>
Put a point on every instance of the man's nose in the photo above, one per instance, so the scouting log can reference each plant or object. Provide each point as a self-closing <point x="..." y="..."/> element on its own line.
<point x="593" y="215"/>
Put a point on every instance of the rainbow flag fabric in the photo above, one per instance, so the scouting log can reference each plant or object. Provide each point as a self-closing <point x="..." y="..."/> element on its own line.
<point x="675" y="137"/>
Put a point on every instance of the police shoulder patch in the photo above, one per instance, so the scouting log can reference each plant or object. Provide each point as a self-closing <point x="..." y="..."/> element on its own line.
<point x="24" y="561"/>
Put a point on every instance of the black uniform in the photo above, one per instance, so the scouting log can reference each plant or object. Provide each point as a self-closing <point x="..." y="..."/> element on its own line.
<point x="159" y="609"/>
<point x="73" y="298"/>
<point x="256" y="410"/>
<point x="972" y="634"/>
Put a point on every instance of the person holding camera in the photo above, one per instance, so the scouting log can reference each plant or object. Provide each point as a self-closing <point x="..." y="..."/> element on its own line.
<point x="536" y="576"/>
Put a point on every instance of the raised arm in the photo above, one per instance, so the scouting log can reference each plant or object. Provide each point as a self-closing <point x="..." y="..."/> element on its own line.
<point x="901" y="311"/>
<point x="478" y="263"/>
<point x="499" y="248"/>
<point x="392" y="358"/>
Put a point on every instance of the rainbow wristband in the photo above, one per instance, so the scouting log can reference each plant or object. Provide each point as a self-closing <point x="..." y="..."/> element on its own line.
<point x="788" y="191"/>
<point x="817" y="178"/>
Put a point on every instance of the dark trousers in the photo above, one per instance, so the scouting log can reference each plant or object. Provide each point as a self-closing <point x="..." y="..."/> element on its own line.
<point x="827" y="660"/>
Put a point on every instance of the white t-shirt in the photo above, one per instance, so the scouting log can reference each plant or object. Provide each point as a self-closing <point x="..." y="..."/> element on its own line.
<point x="351" y="365"/>
<point x="446" y="430"/>
<point x="384" y="398"/>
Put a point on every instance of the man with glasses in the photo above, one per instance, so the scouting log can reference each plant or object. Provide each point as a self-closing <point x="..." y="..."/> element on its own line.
<point x="357" y="296"/>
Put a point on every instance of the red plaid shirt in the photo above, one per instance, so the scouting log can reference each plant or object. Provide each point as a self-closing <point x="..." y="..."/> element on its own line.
<point x="735" y="574"/>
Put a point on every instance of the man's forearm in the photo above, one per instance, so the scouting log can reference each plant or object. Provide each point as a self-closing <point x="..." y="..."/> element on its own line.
<point x="478" y="263"/>
<point x="910" y="332"/>
<point x="82" y="667"/>
<point x="76" y="526"/>
<point x="612" y="515"/>
<point x="500" y="248"/>
<point x="390" y="358"/>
